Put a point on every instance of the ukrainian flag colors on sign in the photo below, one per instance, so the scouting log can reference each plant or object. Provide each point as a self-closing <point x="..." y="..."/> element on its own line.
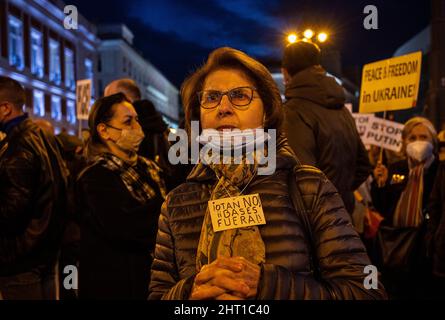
<point x="391" y="84"/>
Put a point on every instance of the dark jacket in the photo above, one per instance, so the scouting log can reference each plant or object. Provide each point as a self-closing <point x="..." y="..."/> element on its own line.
<point x="385" y="199"/>
<point x="32" y="199"/>
<point x="286" y="273"/>
<point x="436" y="224"/>
<point x="155" y="145"/>
<point x="322" y="132"/>
<point x="117" y="236"/>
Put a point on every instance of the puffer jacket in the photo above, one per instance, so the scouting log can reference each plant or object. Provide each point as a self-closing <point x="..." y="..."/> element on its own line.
<point x="322" y="132"/>
<point x="33" y="181"/>
<point x="286" y="273"/>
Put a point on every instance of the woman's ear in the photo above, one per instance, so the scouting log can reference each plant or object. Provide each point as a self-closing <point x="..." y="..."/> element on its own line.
<point x="103" y="131"/>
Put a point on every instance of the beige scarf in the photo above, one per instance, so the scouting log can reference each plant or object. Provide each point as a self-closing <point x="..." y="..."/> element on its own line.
<point x="245" y="242"/>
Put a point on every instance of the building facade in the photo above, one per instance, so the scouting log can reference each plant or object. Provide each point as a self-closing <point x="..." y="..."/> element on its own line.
<point x="118" y="59"/>
<point x="46" y="58"/>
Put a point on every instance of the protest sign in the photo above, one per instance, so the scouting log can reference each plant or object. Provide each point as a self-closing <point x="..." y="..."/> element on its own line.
<point x="391" y="84"/>
<point x="236" y="212"/>
<point x="83" y="98"/>
<point x="384" y="133"/>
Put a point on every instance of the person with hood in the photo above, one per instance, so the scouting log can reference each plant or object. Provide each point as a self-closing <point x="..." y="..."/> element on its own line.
<point x="321" y="131"/>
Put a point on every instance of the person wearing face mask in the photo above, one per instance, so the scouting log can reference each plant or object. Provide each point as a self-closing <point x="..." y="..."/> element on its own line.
<point x="401" y="192"/>
<point x="155" y="144"/>
<point x="119" y="196"/>
<point x="295" y="252"/>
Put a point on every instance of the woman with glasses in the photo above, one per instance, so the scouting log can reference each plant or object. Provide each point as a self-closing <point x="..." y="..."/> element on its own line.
<point x="119" y="196"/>
<point x="272" y="254"/>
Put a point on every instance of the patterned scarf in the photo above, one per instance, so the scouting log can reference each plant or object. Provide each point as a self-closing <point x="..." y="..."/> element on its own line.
<point x="245" y="242"/>
<point x="408" y="212"/>
<point x="138" y="187"/>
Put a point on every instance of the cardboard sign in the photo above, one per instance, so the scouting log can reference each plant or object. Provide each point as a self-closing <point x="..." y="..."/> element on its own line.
<point x="236" y="212"/>
<point x="384" y="133"/>
<point x="83" y="98"/>
<point x="363" y="121"/>
<point x="391" y="84"/>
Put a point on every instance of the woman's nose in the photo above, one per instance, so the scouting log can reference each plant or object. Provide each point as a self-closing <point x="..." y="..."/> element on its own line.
<point x="136" y="125"/>
<point x="225" y="107"/>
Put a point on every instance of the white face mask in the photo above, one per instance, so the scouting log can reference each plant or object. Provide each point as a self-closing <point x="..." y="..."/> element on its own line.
<point x="233" y="139"/>
<point x="419" y="150"/>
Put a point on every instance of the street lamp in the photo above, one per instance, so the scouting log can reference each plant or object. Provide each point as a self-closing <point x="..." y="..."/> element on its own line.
<point x="292" y="38"/>
<point x="308" y="34"/>
<point x="322" y="37"/>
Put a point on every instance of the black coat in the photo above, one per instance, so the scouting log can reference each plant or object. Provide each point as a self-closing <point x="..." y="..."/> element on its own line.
<point x="286" y="273"/>
<point x="322" y="132"/>
<point x="436" y="225"/>
<point x="117" y="236"/>
<point x="33" y="203"/>
<point x="385" y="199"/>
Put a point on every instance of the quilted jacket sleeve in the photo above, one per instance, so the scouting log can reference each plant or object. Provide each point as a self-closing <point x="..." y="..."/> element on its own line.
<point x="339" y="252"/>
<point x="165" y="283"/>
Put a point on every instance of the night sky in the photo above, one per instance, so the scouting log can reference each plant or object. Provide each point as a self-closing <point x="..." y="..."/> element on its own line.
<point x="177" y="35"/>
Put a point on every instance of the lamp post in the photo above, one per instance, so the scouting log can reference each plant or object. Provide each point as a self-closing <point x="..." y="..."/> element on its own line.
<point x="308" y="36"/>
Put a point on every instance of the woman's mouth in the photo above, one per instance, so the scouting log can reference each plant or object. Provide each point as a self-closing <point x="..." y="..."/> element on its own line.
<point x="225" y="127"/>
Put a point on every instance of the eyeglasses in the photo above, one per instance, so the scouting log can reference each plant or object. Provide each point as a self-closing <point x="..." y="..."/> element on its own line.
<point x="238" y="97"/>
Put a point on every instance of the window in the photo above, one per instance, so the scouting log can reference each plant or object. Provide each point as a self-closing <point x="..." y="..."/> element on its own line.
<point x="56" y="108"/>
<point x="89" y="73"/>
<point x="38" y="103"/>
<point x="70" y="82"/>
<point x="54" y="62"/>
<point x="70" y="112"/>
<point x="124" y="64"/>
<point x="36" y="53"/>
<point x="15" y="42"/>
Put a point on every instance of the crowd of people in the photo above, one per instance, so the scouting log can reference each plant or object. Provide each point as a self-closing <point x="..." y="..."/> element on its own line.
<point x="138" y="227"/>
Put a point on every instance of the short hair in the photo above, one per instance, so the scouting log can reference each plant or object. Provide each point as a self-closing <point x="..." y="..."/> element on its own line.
<point x="129" y="88"/>
<point x="414" y="122"/>
<point x="12" y="92"/>
<point x="225" y="58"/>
<point x="101" y="112"/>
<point x="300" y="55"/>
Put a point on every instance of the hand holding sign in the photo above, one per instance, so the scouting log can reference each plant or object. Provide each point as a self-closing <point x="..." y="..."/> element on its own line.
<point x="380" y="174"/>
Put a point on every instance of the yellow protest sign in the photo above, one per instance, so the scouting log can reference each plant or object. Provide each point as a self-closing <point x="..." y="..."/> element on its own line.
<point x="391" y="84"/>
<point x="236" y="212"/>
